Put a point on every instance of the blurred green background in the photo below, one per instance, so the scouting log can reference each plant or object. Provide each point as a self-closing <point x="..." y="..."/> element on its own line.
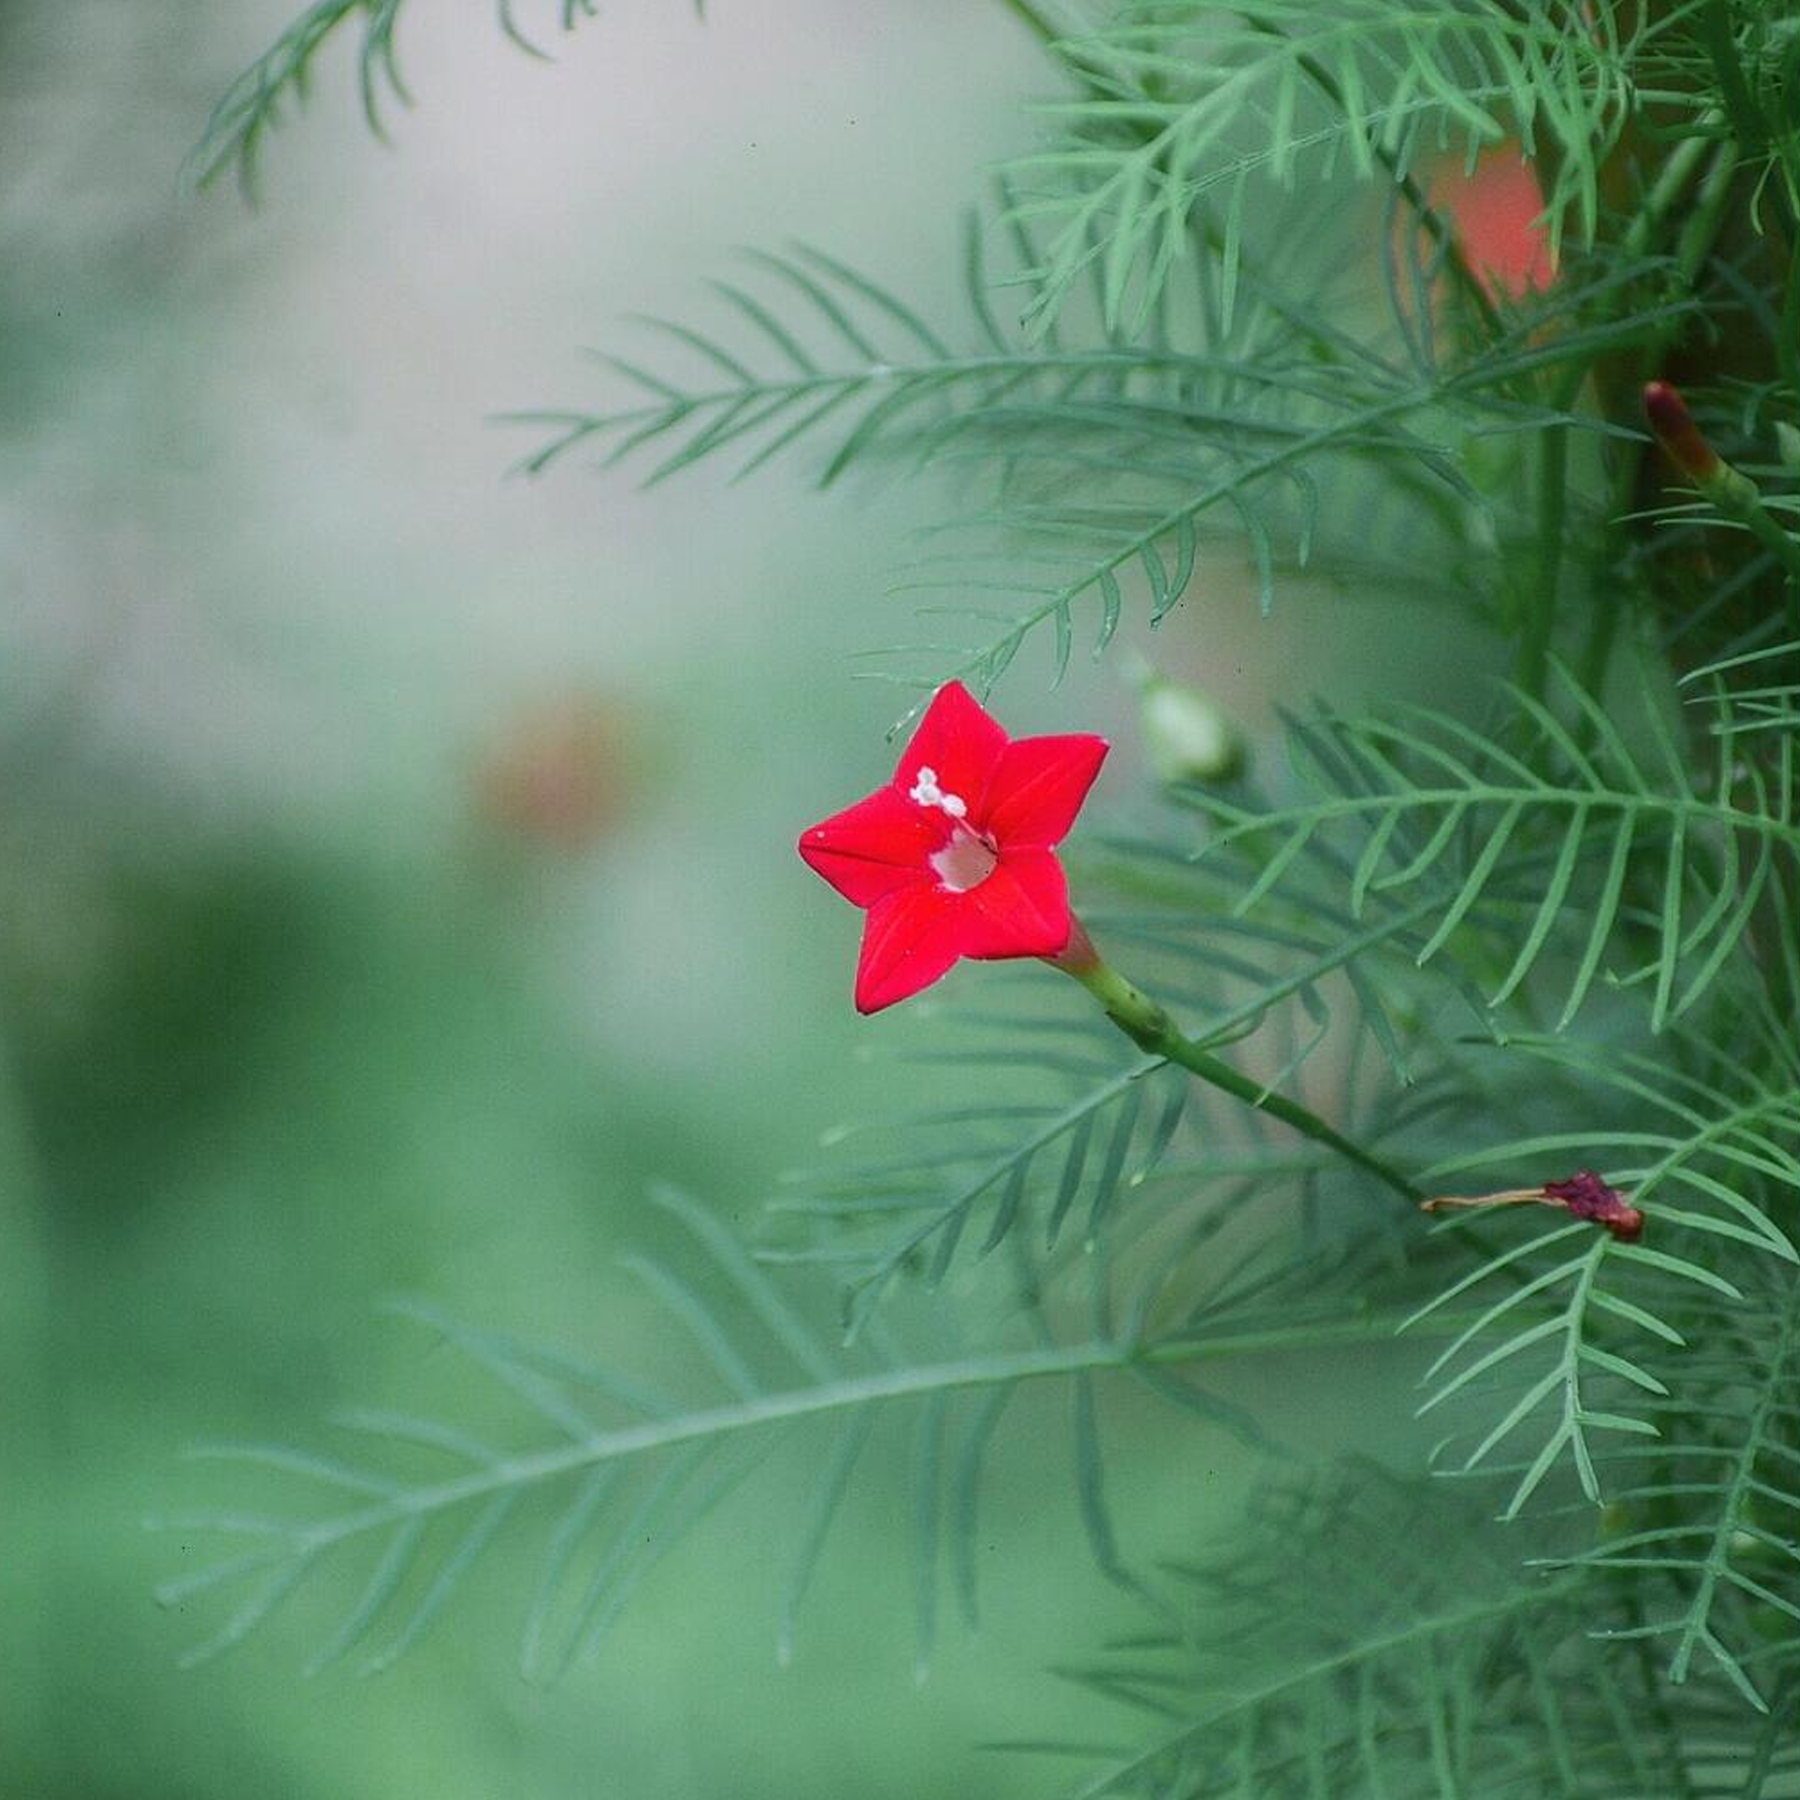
<point x="396" y="869"/>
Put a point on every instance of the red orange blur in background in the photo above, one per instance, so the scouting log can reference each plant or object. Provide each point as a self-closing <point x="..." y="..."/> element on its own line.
<point x="1496" y="213"/>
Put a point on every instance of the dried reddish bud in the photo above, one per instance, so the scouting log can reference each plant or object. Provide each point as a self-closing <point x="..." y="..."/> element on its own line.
<point x="1679" y="435"/>
<point x="1588" y="1197"/>
<point x="1583" y="1196"/>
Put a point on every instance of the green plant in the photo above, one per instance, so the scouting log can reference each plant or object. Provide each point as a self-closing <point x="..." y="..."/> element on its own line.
<point x="1553" y="920"/>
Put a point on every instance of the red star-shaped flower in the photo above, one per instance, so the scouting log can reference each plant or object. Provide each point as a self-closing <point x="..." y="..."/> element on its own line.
<point x="956" y="855"/>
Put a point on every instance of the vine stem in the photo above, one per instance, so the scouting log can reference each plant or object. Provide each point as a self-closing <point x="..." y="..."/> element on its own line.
<point x="1540" y="623"/>
<point x="1672" y="184"/>
<point x="1695" y="245"/>
<point x="1148" y="1026"/>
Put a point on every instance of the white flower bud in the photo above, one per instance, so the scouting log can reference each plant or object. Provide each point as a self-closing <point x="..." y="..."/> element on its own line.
<point x="1187" y="736"/>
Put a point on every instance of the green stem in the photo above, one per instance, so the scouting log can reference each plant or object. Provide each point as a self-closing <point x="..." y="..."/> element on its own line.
<point x="1737" y="497"/>
<point x="1695" y="245"/>
<point x="1540" y="618"/>
<point x="1747" y="122"/>
<point x="1740" y="499"/>
<point x="1671" y="182"/>
<point x="1151" y="1029"/>
<point x="1033" y="20"/>
<point x="1696" y="241"/>
<point x="1788" y="340"/>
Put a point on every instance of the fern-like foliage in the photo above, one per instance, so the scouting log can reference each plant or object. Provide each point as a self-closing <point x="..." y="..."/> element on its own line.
<point x="1735" y="59"/>
<point x="1637" y="848"/>
<point x="829" y="358"/>
<point x="282" y="75"/>
<point x="1383" y="1640"/>
<point x="1752" y="701"/>
<point x="1304" y="935"/>
<point x="1096" y="1128"/>
<point x="625" y="1470"/>
<point x="1705" y="1517"/>
<point x="1103" y="468"/>
<point x="1661" y="1372"/>
<point x="1238" y="443"/>
<point x="1184" y="106"/>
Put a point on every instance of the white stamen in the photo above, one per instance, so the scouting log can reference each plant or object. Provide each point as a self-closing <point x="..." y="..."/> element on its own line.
<point x="926" y="792"/>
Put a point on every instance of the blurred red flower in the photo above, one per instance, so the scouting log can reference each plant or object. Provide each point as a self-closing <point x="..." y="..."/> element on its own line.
<point x="1497" y="216"/>
<point x="555" y="775"/>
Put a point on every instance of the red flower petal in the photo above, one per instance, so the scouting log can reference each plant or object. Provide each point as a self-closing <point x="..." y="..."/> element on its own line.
<point x="959" y="741"/>
<point x="875" y="846"/>
<point x="910" y="938"/>
<point x="1038" y="787"/>
<point x="996" y="808"/>
<point x="1022" y="909"/>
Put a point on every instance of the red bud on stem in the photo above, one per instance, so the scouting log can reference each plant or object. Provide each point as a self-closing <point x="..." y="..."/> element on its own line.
<point x="1679" y="435"/>
<point x="1732" y="492"/>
